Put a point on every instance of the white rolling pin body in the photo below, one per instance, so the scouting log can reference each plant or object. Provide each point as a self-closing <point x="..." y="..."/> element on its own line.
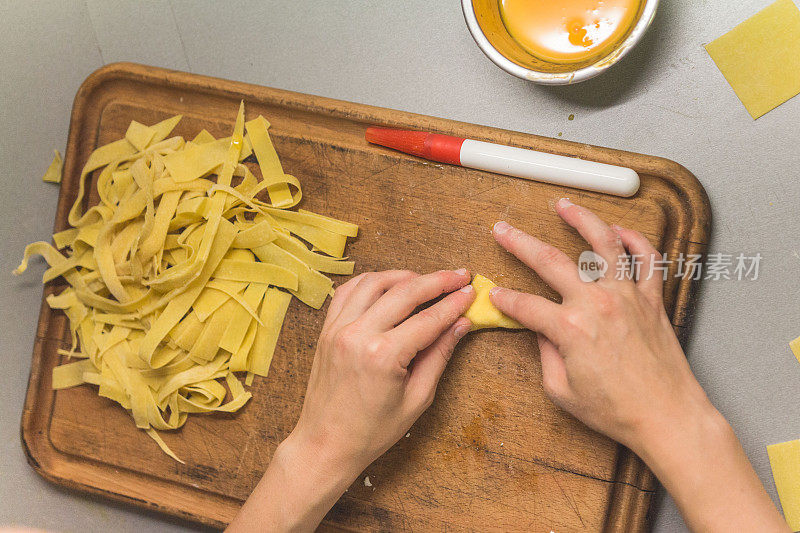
<point x="549" y="168"/>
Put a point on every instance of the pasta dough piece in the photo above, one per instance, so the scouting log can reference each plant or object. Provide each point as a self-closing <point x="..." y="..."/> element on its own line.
<point x="163" y="445"/>
<point x="760" y="57"/>
<point x="482" y="313"/>
<point x="795" y="346"/>
<point x="207" y="344"/>
<point x="53" y="172"/>
<point x="196" y="161"/>
<point x="254" y="236"/>
<point x="784" y="458"/>
<point x="256" y="272"/>
<point x="203" y="137"/>
<point x="331" y="224"/>
<point x="71" y="374"/>
<point x="139" y="135"/>
<point x="327" y="241"/>
<point x="166" y="297"/>
<point x="239" y="322"/>
<point x="268" y="161"/>
<point x="316" y="261"/>
<point x="240" y="360"/>
<point x="312" y="287"/>
<point x="273" y="311"/>
<point x="164" y="128"/>
<point x="213" y="296"/>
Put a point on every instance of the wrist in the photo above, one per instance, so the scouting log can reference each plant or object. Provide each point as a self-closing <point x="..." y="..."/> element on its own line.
<point x="681" y="438"/>
<point x="308" y="481"/>
<point x="321" y="456"/>
<point x="315" y="461"/>
<point x="700" y="462"/>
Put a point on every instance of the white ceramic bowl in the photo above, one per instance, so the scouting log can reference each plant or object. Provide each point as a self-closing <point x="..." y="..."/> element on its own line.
<point x="560" y="75"/>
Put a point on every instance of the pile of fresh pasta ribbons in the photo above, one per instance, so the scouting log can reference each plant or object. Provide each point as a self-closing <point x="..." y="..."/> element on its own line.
<point x="177" y="278"/>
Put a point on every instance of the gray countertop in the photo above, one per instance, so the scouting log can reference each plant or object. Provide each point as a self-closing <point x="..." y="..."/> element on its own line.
<point x="667" y="98"/>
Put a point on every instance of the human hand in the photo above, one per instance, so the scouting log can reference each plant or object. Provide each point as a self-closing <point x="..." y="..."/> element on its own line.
<point x="375" y="371"/>
<point x="609" y="354"/>
<point x="377" y="365"/>
<point x="610" y="357"/>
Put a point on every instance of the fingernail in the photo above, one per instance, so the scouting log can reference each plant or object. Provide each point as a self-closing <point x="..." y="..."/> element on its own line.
<point x="616" y="227"/>
<point x="461" y="330"/>
<point x="466" y="289"/>
<point x="501" y="227"/>
<point x="564" y="202"/>
<point x="461" y="271"/>
<point x="494" y="291"/>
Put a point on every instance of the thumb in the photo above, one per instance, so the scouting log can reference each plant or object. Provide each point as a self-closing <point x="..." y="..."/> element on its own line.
<point x="429" y="365"/>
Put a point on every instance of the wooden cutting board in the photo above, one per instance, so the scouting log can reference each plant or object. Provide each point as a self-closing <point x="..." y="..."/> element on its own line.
<point x="493" y="453"/>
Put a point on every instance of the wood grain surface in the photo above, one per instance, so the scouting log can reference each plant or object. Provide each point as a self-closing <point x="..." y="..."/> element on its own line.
<point x="493" y="453"/>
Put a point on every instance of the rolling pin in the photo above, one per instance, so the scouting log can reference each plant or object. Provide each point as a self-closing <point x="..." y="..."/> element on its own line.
<point x="509" y="160"/>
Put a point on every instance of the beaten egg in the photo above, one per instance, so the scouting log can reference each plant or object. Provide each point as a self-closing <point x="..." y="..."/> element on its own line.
<point x="568" y="31"/>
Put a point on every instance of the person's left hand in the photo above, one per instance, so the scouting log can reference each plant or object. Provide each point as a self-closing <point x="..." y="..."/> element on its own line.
<point x="377" y="365"/>
<point x="375" y="372"/>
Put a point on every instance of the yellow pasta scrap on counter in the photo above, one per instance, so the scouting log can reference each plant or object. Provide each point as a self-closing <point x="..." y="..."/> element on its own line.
<point x="482" y="313"/>
<point x="177" y="276"/>
<point x="53" y="172"/>
<point x="760" y="58"/>
<point x="795" y="347"/>
<point x="784" y="459"/>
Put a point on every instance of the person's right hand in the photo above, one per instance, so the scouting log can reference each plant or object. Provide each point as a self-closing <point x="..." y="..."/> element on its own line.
<point x="609" y="354"/>
<point x="610" y="358"/>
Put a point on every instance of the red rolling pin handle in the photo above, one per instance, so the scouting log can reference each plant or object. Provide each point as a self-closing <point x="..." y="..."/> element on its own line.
<point x="433" y="146"/>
